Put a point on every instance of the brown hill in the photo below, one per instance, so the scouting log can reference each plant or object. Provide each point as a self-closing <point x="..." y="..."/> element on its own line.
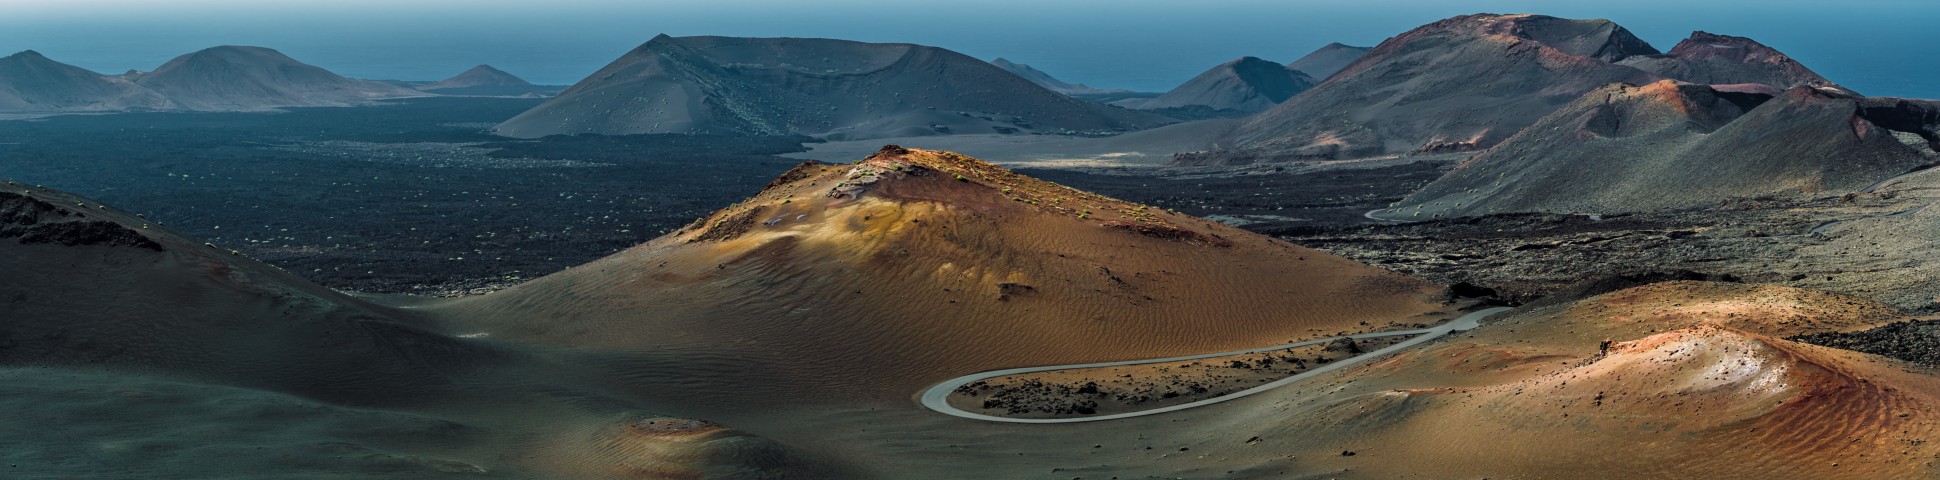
<point x="832" y="88"/>
<point x="1723" y="59"/>
<point x="236" y="78"/>
<point x="1327" y="60"/>
<point x="1694" y="382"/>
<point x="866" y="282"/>
<point x="1242" y="86"/>
<point x="32" y="83"/>
<point x="1669" y="146"/>
<point x="1463" y="83"/>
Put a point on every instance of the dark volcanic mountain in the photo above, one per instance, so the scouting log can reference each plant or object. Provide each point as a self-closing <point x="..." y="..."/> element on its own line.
<point x="1242" y="86"/>
<point x="483" y="80"/>
<point x="233" y="78"/>
<point x="1327" y="60"/>
<point x="832" y="88"/>
<point x="1722" y="59"/>
<point x="30" y="82"/>
<point x="1458" y="84"/>
<point x="1668" y="145"/>
<point x="1047" y="81"/>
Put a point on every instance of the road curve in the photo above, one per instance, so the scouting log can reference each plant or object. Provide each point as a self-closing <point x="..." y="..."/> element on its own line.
<point x="1370" y="216"/>
<point x="938" y="397"/>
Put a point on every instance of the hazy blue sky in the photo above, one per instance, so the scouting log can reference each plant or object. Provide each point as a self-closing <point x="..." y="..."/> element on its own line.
<point x="1879" y="47"/>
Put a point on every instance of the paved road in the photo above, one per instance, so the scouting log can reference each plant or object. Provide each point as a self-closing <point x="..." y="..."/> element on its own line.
<point x="938" y="397"/>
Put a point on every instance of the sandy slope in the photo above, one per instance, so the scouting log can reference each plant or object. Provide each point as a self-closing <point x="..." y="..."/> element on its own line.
<point x="1694" y="383"/>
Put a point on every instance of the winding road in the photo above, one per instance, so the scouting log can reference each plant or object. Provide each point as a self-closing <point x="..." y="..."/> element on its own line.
<point x="938" y="397"/>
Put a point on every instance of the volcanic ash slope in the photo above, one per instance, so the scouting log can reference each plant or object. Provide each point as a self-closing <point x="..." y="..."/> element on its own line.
<point x="1672" y="146"/>
<point x="868" y="281"/>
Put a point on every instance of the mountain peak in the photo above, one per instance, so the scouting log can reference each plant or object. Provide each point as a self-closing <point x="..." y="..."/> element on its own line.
<point x="1325" y="61"/>
<point x="1244" y="85"/>
<point x="482" y="79"/>
<point x="898" y="174"/>
<point x="1711" y="58"/>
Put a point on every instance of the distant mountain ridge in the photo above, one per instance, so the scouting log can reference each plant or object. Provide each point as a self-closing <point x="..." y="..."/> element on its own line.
<point x="1047" y="81"/>
<point x="1242" y="86"/>
<point x="1325" y="61"/>
<point x="835" y="89"/>
<point x="484" y="80"/>
<point x="1469" y="82"/>
<point x="31" y="82"/>
<point x="225" y="78"/>
<point x="232" y="78"/>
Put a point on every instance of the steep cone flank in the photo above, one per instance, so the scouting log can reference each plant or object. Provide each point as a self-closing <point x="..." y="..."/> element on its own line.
<point x="1047" y="81"/>
<point x="1722" y="59"/>
<point x="832" y="88"/>
<point x="90" y="285"/>
<point x="1464" y="83"/>
<point x="231" y="78"/>
<point x="1246" y="85"/>
<point x="914" y="266"/>
<point x="30" y="82"/>
<point x="1668" y="146"/>
<point x="1324" y="62"/>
